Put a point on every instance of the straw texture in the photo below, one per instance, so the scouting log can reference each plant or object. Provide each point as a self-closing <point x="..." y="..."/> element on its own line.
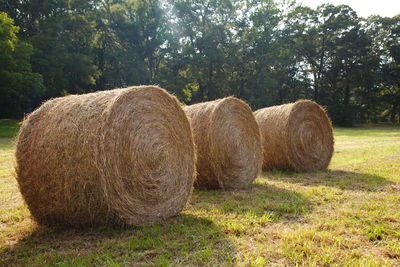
<point x="228" y="143"/>
<point x="296" y="136"/>
<point x="124" y="156"/>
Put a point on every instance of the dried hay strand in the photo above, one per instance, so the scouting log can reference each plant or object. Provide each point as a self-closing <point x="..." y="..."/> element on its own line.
<point x="118" y="157"/>
<point x="296" y="136"/>
<point x="228" y="143"/>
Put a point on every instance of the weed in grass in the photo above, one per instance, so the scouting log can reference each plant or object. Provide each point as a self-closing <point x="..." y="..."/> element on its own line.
<point x="379" y="231"/>
<point x="163" y="261"/>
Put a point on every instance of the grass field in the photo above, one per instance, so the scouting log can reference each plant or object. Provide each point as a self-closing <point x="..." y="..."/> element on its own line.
<point x="348" y="215"/>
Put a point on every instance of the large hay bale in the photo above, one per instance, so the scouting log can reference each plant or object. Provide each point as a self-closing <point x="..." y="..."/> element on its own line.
<point x="296" y="136"/>
<point x="228" y="143"/>
<point x="124" y="156"/>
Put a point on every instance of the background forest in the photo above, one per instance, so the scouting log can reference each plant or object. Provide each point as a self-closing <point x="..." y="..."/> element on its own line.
<point x="262" y="51"/>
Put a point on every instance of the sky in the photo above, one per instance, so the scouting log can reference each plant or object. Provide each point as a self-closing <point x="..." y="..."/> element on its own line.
<point x="384" y="8"/>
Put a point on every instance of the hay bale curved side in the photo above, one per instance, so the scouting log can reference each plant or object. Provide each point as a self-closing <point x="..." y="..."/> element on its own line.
<point x="124" y="156"/>
<point x="228" y="143"/>
<point x="296" y="136"/>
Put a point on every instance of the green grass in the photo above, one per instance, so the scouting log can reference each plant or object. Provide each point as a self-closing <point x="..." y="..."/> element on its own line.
<point x="348" y="215"/>
<point x="8" y="128"/>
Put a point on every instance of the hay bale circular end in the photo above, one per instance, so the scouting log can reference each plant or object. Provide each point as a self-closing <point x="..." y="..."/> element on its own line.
<point x="296" y="136"/>
<point x="228" y="143"/>
<point x="124" y="156"/>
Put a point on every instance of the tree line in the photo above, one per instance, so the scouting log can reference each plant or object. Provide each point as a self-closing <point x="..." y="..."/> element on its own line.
<point x="262" y="51"/>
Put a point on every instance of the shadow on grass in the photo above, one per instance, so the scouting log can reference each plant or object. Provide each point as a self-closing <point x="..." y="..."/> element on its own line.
<point x="180" y="240"/>
<point x="344" y="180"/>
<point x="270" y="203"/>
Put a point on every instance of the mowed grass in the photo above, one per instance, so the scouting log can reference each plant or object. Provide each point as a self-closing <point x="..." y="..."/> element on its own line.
<point x="348" y="215"/>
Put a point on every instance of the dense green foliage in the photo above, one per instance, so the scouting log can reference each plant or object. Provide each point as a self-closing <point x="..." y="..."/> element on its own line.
<point x="18" y="85"/>
<point x="262" y="51"/>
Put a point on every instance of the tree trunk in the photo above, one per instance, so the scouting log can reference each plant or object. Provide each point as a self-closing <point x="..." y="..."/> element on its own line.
<point x="393" y="113"/>
<point x="315" y="87"/>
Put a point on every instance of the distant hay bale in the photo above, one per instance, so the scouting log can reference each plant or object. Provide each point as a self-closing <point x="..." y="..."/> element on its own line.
<point x="296" y="136"/>
<point x="228" y="143"/>
<point x="124" y="156"/>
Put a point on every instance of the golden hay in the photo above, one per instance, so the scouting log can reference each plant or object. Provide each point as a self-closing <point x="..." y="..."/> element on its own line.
<point x="296" y="136"/>
<point x="124" y="156"/>
<point x="228" y="143"/>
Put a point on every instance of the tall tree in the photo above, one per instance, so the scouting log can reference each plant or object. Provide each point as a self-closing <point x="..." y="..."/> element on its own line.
<point x="129" y="36"/>
<point x="386" y="33"/>
<point x="19" y="86"/>
<point x="203" y="29"/>
<point x="335" y="51"/>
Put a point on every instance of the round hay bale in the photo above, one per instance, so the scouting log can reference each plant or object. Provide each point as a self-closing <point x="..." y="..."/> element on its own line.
<point x="124" y="156"/>
<point x="296" y="136"/>
<point x="228" y="143"/>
